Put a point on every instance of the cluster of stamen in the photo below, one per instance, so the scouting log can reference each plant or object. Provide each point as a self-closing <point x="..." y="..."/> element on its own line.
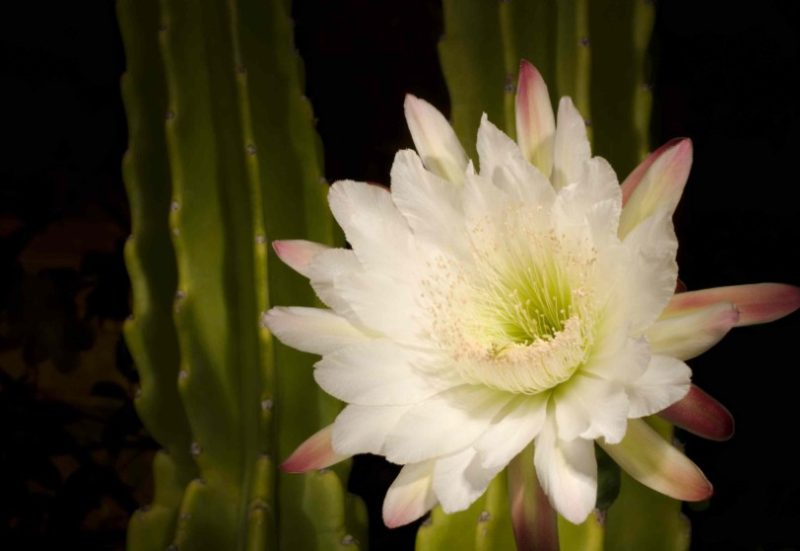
<point x="516" y="316"/>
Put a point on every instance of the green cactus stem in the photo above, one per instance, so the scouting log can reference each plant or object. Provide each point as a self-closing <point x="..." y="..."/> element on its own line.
<point x="223" y="159"/>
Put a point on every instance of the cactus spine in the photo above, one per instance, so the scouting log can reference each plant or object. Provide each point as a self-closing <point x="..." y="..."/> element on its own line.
<point x="594" y="52"/>
<point x="223" y="159"/>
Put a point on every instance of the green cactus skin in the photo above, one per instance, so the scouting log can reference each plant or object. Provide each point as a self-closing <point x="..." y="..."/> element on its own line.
<point x="235" y="165"/>
<point x="150" y="333"/>
<point x="485" y="526"/>
<point x="594" y="52"/>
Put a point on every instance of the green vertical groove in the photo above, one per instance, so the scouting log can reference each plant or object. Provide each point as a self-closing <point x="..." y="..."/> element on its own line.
<point x="595" y="52"/>
<point x="485" y="526"/>
<point x="149" y="255"/>
<point x="236" y="164"/>
<point x="573" y="54"/>
<point x="471" y="52"/>
<point x="620" y="93"/>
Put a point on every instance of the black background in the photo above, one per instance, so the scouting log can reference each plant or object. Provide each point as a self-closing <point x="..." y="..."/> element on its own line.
<point x="725" y="74"/>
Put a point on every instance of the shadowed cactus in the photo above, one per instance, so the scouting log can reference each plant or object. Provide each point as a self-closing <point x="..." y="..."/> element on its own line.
<point x="223" y="159"/>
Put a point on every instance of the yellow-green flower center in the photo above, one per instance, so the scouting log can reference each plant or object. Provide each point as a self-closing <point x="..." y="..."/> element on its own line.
<point x="518" y="317"/>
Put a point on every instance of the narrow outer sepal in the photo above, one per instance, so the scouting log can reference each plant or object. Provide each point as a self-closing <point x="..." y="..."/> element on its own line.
<point x="756" y="303"/>
<point x="656" y="184"/>
<point x="657" y="464"/>
<point x="313" y="454"/>
<point x="702" y="415"/>
<point x="297" y="253"/>
<point x="534" y="118"/>
<point x="533" y="518"/>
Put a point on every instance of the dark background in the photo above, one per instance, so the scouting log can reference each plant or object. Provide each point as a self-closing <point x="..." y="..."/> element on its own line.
<point x="74" y="460"/>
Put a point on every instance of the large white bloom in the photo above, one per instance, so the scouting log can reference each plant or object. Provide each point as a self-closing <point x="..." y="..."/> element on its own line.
<point x="528" y="299"/>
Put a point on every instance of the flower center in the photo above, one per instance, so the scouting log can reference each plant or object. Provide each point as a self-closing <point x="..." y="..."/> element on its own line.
<point x="518" y="316"/>
<point x="527" y="306"/>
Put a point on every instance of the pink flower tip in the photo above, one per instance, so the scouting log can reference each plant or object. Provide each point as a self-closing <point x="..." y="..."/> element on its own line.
<point x="313" y="454"/>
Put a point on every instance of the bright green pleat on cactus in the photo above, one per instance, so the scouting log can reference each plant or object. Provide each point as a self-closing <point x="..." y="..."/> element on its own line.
<point x="595" y="52"/>
<point x="223" y="159"/>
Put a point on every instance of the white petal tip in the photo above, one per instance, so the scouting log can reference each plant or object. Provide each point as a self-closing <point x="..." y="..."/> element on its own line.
<point x="410" y="496"/>
<point x="400" y="510"/>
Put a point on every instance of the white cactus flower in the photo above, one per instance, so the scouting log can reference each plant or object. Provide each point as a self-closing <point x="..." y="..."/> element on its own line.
<point x="531" y="299"/>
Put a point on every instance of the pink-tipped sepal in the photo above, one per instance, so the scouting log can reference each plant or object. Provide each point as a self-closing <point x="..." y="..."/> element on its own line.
<point x="313" y="454"/>
<point x="702" y="415"/>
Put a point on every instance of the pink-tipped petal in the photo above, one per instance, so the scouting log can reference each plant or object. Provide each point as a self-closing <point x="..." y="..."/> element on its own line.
<point x="689" y="333"/>
<point x="757" y="303"/>
<point x="410" y="496"/>
<point x="635" y="177"/>
<point x="536" y="125"/>
<point x="702" y="415"/>
<point x="435" y="140"/>
<point x="654" y="462"/>
<point x="313" y="454"/>
<point x="297" y="253"/>
<point x="658" y="185"/>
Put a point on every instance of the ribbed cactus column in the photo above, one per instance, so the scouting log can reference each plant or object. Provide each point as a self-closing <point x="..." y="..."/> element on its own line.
<point x="150" y="257"/>
<point x="223" y="159"/>
<point x="595" y="52"/>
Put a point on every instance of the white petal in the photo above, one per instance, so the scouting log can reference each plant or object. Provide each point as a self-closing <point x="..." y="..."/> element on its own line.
<point x="380" y="236"/>
<point x="431" y="205"/>
<point x="622" y="362"/>
<point x="665" y="381"/>
<point x="567" y="472"/>
<point x="655" y="463"/>
<point x="482" y="200"/>
<point x="596" y="198"/>
<point x="373" y="300"/>
<point x="376" y="373"/>
<point x="687" y="335"/>
<point x="297" y="253"/>
<point x="458" y="480"/>
<point x="571" y="145"/>
<point x="363" y="429"/>
<point x="410" y="496"/>
<point x="518" y="424"/>
<point x="444" y="424"/>
<point x="590" y="407"/>
<point x="435" y="140"/>
<point x="312" y="329"/>
<point x="503" y="163"/>
<point x="327" y="271"/>
<point x="534" y="117"/>
<point x="653" y="271"/>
